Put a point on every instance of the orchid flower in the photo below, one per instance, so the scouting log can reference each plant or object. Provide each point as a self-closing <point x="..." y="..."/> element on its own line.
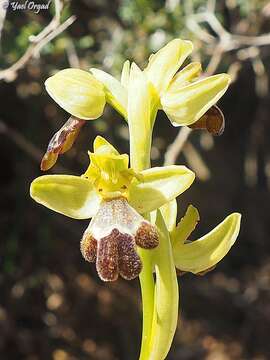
<point x="114" y="196"/>
<point x="133" y="230"/>
<point x="181" y="95"/>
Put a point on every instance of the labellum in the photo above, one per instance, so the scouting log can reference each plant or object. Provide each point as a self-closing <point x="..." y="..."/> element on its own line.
<point x="61" y="142"/>
<point x="111" y="238"/>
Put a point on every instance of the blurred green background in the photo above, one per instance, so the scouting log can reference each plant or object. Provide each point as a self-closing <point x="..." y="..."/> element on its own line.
<point x="52" y="304"/>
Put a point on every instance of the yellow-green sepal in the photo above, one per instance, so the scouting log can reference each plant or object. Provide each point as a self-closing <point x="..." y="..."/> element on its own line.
<point x="69" y="195"/>
<point x="102" y="146"/>
<point x="116" y="93"/>
<point x="164" y="64"/>
<point x="189" y="103"/>
<point x="158" y="186"/>
<point x="204" y="253"/>
<point x="109" y="164"/>
<point x="77" y="92"/>
<point x="186" y="225"/>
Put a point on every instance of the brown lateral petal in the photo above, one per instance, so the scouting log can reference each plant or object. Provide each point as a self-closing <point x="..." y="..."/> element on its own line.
<point x="89" y="247"/>
<point x="61" y="142"/>
<point x="146" y="236"/>
<point x="130" y="264"/>
<point x="107" y="256"/>
<point x="213" y="121"/>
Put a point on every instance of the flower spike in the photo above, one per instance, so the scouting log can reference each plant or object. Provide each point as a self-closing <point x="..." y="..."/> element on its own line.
<point x="116" y="195"/>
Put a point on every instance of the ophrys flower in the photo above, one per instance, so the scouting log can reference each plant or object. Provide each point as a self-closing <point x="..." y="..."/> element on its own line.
<point x="114" y="196"/>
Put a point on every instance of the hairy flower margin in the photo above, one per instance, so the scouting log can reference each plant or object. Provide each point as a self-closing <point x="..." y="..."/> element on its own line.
<point x="134" y="209"/>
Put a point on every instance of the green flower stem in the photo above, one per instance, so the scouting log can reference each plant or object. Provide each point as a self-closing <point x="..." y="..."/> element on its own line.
<point x="160" y="297"/>
<point x="148" y="296"/>
<point x="140" y="160"/>
<point x="166" y="295"/>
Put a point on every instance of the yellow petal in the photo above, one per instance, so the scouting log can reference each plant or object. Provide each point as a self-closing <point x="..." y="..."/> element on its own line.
<point x="164" y="64"/>
<point x="189" y="103"/>
<point x="102" y="146"/>
<point x="110" y="164"/>
<point x="158" y="186"/>
<point x="125" y="74"/>
<point x="206" y="252"/>
<point x="186" y="225"/>
<point x="116" y="94"/>
<point x="185" y="76"/>
<point x="69" y="195"/>
<point x="78" y="92"/>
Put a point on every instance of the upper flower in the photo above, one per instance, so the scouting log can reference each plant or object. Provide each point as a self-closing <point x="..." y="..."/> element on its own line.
<point x="183" y="97"/>
<point x="114" y="196"/>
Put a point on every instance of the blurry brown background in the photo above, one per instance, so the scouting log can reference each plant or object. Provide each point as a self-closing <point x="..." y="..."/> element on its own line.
<point x="52" y="305"/>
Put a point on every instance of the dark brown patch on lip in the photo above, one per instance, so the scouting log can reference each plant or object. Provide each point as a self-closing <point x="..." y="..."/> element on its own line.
<point x="89" y="247"/>
<point x="146" y="236"/>
<point x="114" y="254"/>
<point x="107" y="257"/>
<point x="130" y="264"/>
